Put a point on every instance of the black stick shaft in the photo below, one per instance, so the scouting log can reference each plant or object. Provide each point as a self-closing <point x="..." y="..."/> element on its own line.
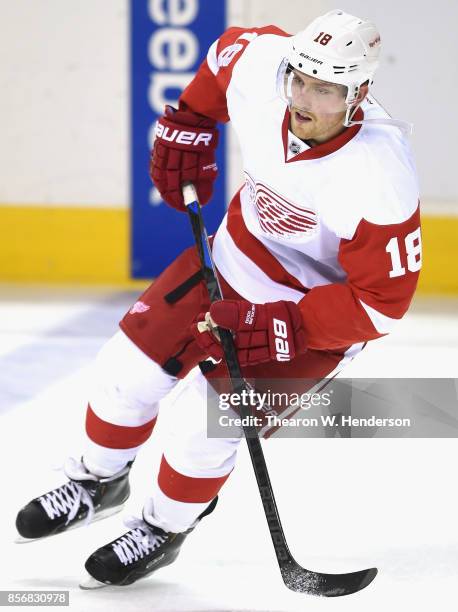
<point x="238" y="384"/>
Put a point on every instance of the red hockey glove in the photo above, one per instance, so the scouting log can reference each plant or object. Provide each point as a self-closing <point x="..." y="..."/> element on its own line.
<point x="264" y="332"/>
<point x="184" y="150"/>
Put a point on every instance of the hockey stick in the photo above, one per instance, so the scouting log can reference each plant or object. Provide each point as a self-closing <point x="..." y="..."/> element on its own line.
<point x="294" y="576"/>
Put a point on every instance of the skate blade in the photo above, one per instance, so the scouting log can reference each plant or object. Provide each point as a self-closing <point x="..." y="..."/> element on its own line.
<point x="88" y="583"/>
<point x="98" y="517"/>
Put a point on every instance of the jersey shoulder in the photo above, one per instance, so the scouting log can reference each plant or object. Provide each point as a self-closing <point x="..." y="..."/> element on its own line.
<point x="374" y="176"/>
<point x="232" y="45"/>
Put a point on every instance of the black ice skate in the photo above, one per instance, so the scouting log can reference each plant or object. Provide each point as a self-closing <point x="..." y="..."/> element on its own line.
<point x="83" y="499"/>
<point x="136" y="554"/>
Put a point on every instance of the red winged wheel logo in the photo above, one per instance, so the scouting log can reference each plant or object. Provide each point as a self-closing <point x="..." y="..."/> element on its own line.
<point x="278" y="216"/>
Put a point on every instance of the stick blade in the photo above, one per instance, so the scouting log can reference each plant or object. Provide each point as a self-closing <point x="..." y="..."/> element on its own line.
<point x="301" y="580"/>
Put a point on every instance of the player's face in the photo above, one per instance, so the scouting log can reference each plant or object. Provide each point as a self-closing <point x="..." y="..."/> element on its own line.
<point x="318" y="108"/>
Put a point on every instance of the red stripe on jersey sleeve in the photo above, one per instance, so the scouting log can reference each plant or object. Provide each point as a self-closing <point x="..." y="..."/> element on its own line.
<point x="255" y="250"/>
<point x="333" y="315"/>
<point x="206" y="94"/>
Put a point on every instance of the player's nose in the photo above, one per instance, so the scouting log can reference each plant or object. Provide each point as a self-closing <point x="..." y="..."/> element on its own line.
<point x="304" y="99"/>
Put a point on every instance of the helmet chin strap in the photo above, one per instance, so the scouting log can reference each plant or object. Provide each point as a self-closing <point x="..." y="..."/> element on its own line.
<point x="352" y="96"/>
<point x="404" y="126"/>
<point x="351" y="110"/>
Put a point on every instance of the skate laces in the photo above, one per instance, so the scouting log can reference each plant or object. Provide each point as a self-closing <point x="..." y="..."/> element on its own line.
<point x="69" y="497"/>
<point x="138" y="542"/>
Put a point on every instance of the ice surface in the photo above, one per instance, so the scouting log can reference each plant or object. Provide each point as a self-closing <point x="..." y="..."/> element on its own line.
<point x="346" y="504"/>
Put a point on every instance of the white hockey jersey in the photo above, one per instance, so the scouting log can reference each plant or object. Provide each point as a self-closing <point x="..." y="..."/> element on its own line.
<point x="335" y="227"/>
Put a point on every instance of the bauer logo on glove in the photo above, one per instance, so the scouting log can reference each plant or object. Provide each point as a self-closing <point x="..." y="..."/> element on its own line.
<point x="263" y="332"/>
<point x="184" y="151"/>
<point x="182" y="137"/>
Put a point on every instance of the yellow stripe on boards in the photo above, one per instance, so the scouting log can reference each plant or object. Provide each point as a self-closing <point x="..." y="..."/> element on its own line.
<point x="91" y="246"/>
<point x="65" y="245"/>
<point x="439" y="274"/>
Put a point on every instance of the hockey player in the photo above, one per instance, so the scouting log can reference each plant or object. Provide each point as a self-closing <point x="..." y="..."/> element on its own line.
<point x="321" y="246"/>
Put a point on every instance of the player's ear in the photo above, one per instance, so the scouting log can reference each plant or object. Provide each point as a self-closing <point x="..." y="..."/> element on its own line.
<point x="363" y="91"/>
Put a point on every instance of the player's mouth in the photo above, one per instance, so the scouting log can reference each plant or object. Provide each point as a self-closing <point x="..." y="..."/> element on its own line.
<point x="301" y="117"/>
